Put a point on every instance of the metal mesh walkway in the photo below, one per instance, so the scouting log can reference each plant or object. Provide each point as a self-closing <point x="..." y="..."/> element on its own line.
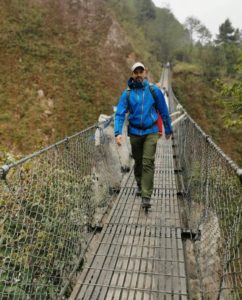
<point x="138" y="255"/>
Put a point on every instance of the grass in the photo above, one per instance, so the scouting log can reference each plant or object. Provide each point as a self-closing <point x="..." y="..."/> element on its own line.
<point x="40" y="52"/>
<point x="185" y="67"/>
<point x="205" y="106"/>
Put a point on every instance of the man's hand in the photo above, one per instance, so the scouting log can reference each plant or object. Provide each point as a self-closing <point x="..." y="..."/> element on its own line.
<point x="168" y="136"/>
<point x="118" y="139"/>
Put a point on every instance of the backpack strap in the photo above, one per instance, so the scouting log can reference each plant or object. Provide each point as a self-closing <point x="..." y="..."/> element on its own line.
<point x="152" y="90"/>
<point x="159" y="121"/>
<point x="128" y="90"/>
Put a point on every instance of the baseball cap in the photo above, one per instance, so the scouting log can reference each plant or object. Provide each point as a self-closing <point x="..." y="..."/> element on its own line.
<point x="137" y="65"/>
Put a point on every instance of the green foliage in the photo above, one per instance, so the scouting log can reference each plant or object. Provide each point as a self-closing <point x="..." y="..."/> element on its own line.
<point x="38" y="51"/>
<point x="218" y="58"/>
<point x="232" y="53"/>
<point x="233" y="102"/>
<point x="145" y="10"/>
<point x="204" y="35"/>
<point x="206" y="106"/>
<point x="46" y="51"/>
<point x="42" y="231"/>
<point x="193" y="25"/>
<point x="153" y="31"/>
<point x="227" y="33"/>
<point x="213" y="62"/>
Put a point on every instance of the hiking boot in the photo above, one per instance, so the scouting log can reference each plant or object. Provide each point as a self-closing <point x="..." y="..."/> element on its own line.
<point x="146" y="202"/>
<point x="138" y="192"/>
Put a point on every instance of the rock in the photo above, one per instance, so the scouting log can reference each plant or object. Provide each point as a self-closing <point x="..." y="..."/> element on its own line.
<point x="50" y="103"/>
<point x="40" y="94"/>
<point x="116" y="38"/>
<point x="47" y="113"/>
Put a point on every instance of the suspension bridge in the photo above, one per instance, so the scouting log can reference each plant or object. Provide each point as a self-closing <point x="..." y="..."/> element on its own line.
<point x="72" y="226"/>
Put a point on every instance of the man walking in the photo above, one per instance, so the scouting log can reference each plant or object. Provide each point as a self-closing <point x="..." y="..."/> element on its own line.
<point x="138" y="101"/>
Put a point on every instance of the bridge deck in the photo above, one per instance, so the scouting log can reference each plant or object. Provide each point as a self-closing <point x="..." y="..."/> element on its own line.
<point x="139" y="256"/>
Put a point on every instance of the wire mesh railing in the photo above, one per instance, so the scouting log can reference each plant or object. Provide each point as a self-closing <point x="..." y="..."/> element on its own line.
<point x="213" y="206"/>
<point x="48" y="203"/>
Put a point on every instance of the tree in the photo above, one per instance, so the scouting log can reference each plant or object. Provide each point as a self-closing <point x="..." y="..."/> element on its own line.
<point x="233" y="102"/>
<point x="192" y="24"/>
<point x="227" y="33"/>
<point x="238" y="36"/>
<point x="204" y="35"/>
<point x="171" y="35"/>
<point x="228" y="40"/>
<point x="197" y="31"/>
<point x="212" y="60"/>
<point x="145" y="10"/>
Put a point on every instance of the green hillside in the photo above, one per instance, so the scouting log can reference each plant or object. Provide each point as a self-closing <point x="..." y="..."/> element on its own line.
<point x="153" y="32"/>
<point x="55" y="77"/>
<point x="205" y="106"/>
<point x="63" y="63"/>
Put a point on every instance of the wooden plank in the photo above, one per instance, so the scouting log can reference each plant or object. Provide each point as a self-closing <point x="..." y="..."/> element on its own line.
<point x="111" y="263"/>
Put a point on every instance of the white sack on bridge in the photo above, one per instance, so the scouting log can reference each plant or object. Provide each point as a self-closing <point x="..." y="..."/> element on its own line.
<point x="119" y="156"/>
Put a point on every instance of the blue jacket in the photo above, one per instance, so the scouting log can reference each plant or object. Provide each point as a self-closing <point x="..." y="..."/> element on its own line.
<point x="142" y="110"/>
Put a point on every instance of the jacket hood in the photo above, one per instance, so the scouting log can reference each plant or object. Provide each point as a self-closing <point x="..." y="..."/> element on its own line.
<point x="132" y="84"/>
